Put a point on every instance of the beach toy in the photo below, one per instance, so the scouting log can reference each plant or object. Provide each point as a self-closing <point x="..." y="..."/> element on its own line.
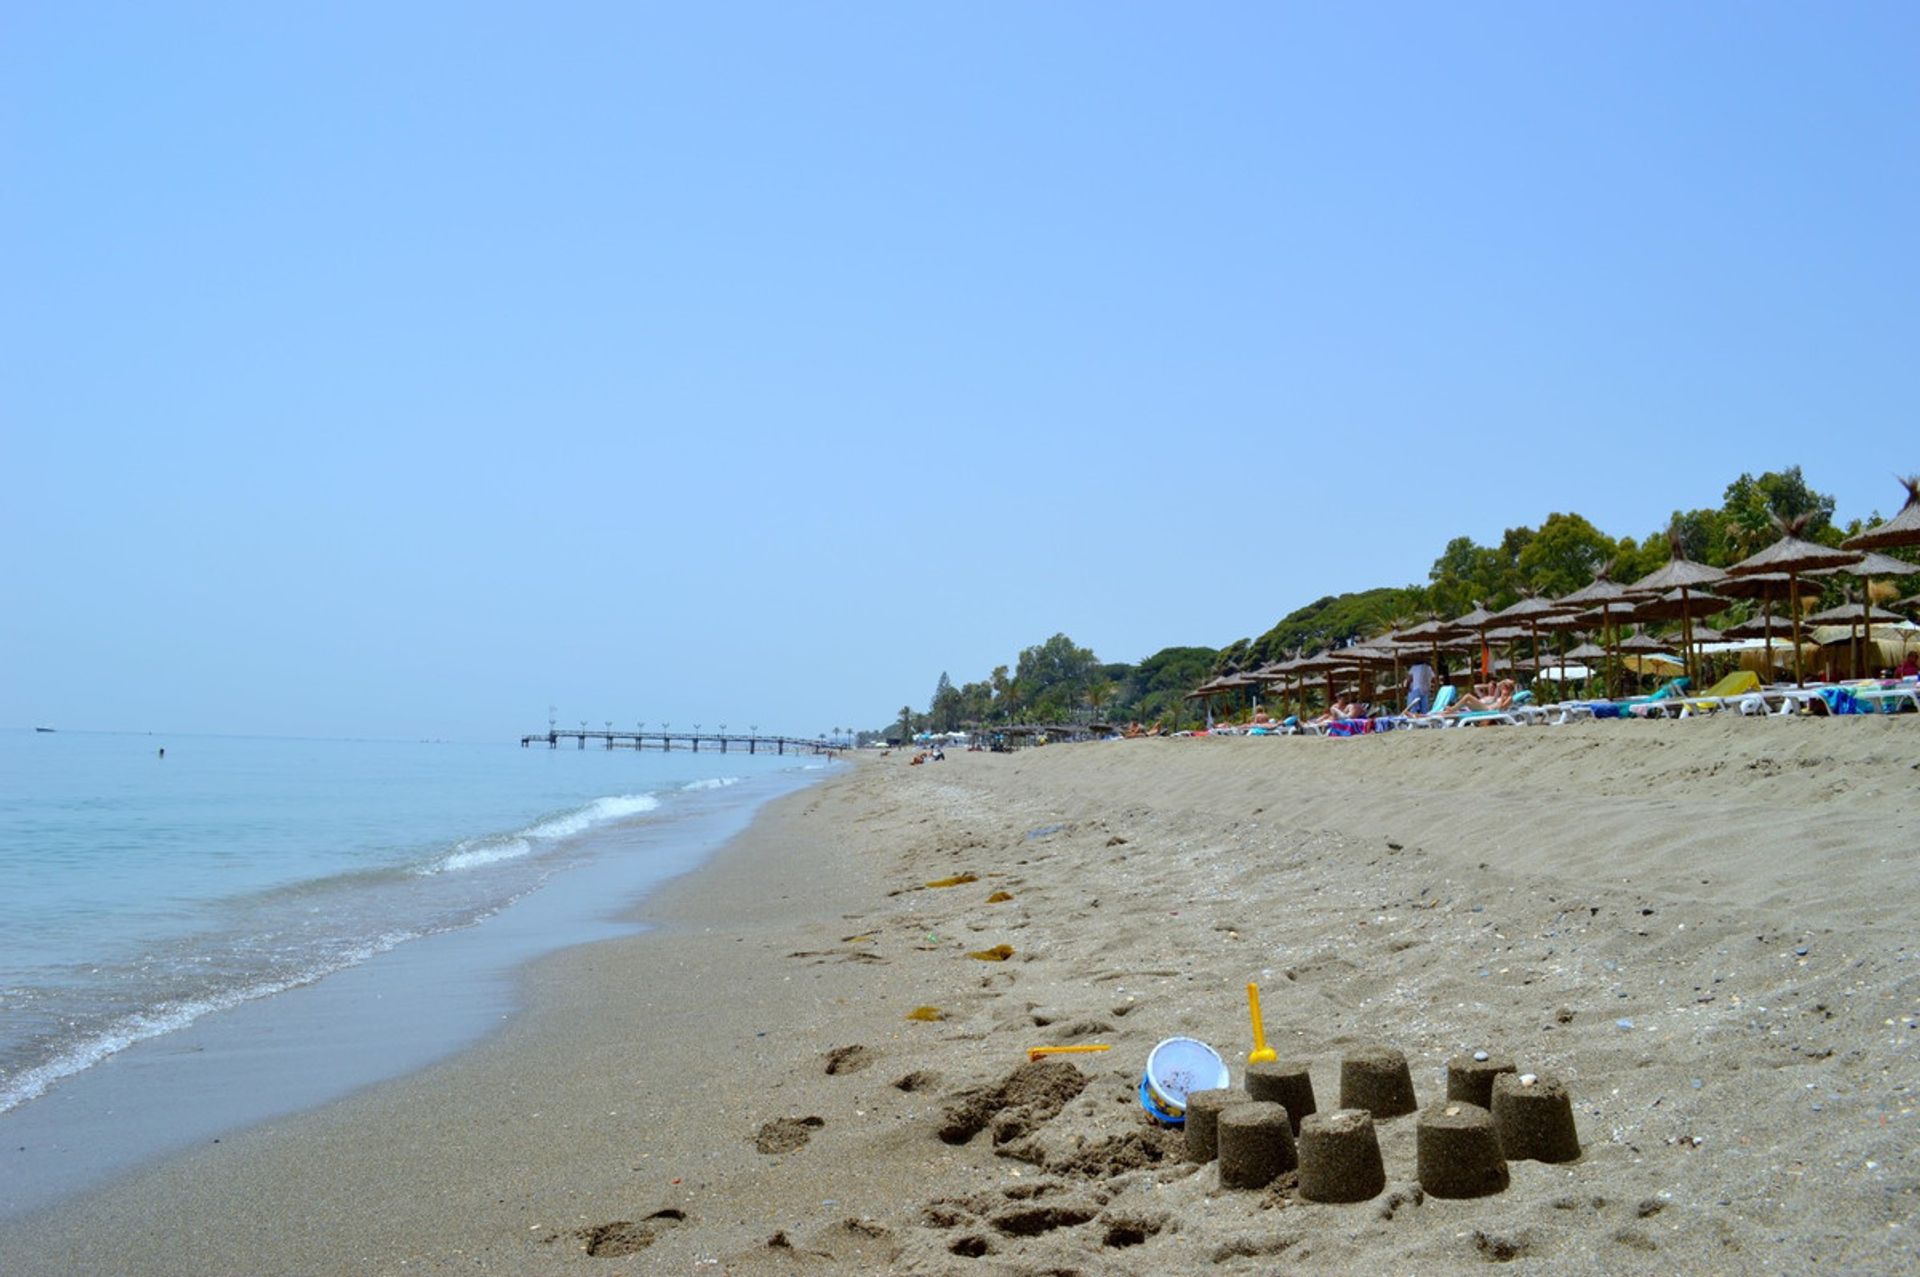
<point x="1035" y="1052"/>
<point x="1175" y="1068"/>
<point x="1261" y="1053"/>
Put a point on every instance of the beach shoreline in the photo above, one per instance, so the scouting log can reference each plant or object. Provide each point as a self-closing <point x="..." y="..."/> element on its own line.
<point x="1699" y="926"/>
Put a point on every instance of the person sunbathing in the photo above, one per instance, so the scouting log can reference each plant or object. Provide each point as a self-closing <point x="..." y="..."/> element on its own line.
<point x="1484" y="697"/>
<point x="1340" y="711"/>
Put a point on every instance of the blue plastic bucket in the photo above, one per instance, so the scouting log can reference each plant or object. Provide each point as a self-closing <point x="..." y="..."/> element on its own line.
<point x="1176" y="1068"/>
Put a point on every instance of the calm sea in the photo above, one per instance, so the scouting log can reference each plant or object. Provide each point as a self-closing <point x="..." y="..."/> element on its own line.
<point x="139" y="894"/>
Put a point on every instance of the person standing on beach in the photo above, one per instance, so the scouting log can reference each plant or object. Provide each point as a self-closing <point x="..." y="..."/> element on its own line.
<point x="1419" y="686"/>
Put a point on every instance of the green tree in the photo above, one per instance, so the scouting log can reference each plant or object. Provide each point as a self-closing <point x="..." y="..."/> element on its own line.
<point x="976" y="703"/>
<point x="1335" y="619"/>
<point x="1751" y="504"/>
<point x="943" y="712"/>
<point x="1234" y="657"/>
<point x="906" y="722"/>
<point x="1050" y="678"/>
<point x="1001" y="683"/>
<point x="1156" y="688"/>
<point x="1564" y="555"/>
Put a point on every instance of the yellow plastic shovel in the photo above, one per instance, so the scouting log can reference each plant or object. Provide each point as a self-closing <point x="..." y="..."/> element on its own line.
<point x="1261" y="1053"/>
<point x="1037" y="1052"/>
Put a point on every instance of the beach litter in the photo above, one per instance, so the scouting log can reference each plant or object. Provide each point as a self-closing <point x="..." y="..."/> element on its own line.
<point x="999" y="953"/>
<point x="999" y="898"/>
<point x="957" y="880"/>
<point x="927" y="1014"/>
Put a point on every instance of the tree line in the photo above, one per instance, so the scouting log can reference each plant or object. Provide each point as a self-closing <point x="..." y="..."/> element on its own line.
<point x="1059" y="681"/>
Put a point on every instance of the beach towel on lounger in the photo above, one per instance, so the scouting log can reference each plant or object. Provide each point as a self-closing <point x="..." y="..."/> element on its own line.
<point x="1840" y="700"/>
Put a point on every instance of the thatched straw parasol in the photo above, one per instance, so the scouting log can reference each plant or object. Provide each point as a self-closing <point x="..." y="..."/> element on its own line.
<point x="1643" y="644"/>
<point x="1859" y="622"/>
<point x="1321" y="662"/>
<point x="1870" y="564"/>
<point x="1684" y="575"/>
<point x="1673" y="605"/>
<point x="1768" y="627"/>
<point x="1765" y="586"/>
<point x="1430" y="632"/>
<point x="1792" y="555"/>
<point x="1529" y="610"/>
<point x="1607" y="597"/>
<point x="1760" y="627"/>
<point x="1641" y="641"/>
<point x="1902" y="529"/>
<point x="1478" y="621"/>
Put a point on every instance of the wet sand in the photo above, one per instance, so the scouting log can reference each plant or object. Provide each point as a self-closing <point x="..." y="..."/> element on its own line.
<point x="1704" y="928"/>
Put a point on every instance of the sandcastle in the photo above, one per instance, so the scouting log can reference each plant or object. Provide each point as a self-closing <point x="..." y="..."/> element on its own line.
<point x="1458" y="1153"/>
<point x="1340" y="1157"/>
<point x="1203" y="1117"/>
<point x="1286" y="1083"/>
<point x="1470" y="1077"/>
<point x="1493" y="1114"/>
<point x="1533" y="1116"/>
<point x="1255" y="1144"/>
<point x="1376" y="1078"/>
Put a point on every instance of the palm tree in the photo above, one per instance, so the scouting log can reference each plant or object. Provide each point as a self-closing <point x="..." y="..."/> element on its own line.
<point x="906" y="722"/>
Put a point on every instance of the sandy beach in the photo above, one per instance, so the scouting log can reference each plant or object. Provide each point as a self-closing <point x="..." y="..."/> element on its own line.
<point x="1703" y="928"/>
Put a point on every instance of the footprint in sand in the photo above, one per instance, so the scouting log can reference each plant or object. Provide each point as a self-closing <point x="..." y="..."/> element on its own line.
<point x="624" y="1236"/>
<point x="848" y="1059"/>
<point x="785" y="1134"/>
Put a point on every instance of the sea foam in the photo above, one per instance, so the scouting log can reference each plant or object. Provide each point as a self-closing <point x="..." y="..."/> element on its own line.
<point x="474" y="852"/>
<point x="170" y="1016"/>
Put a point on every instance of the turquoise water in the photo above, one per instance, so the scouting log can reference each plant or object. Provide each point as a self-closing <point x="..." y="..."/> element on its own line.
<point x="139" y="894"/>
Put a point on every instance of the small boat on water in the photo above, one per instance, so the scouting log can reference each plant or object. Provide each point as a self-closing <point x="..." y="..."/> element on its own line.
<point x="43" y="729"/>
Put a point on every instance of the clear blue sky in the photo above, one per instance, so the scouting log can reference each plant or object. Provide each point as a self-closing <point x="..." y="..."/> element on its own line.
<point x="399" y="369"/>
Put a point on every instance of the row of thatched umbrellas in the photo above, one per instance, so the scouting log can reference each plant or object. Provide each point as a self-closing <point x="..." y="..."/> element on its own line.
<point x="1679" y="590"/>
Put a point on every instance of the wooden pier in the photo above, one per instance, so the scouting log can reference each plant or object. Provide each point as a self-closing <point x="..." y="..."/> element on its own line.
<point x="693" y="741"/>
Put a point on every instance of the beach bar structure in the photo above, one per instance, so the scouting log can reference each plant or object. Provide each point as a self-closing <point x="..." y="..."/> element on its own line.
<point x="668" y="740"/>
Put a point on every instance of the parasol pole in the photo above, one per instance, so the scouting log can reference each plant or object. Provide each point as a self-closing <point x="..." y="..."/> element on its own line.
<point x="1686" y="629"/>
<point x="1610" y="639"/>
<point x="1866" y="624"/>
<point x="1793" y="605"/>
<point x="1766" y="639"/>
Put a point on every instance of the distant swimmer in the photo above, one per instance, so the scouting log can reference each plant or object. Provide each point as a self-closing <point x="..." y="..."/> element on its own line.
<point x="163" y="751"/>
